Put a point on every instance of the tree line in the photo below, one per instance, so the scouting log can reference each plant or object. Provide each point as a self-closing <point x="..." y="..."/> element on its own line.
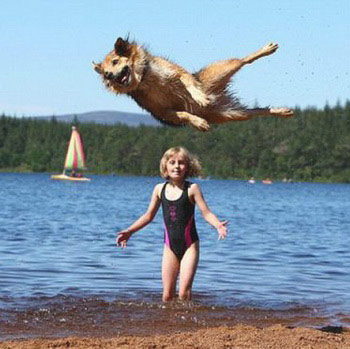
<point x="314" y="145"/>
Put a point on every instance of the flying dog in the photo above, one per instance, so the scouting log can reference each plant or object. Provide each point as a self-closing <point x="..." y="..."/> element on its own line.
<point x="173" y="95"/>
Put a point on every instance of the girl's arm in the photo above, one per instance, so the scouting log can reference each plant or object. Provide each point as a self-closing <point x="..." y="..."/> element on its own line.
<point x="209" y="216"/>
<point x="147" y="217"/>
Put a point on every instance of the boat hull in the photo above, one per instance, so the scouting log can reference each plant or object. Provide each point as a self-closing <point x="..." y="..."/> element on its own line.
<point x="63" y="177"/>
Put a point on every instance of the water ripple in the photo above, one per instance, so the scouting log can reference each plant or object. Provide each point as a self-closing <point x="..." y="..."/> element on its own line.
<point x="287" y="242"/>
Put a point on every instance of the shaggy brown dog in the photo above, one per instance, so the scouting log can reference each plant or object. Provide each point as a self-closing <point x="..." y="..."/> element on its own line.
<point x="174" y="96"/>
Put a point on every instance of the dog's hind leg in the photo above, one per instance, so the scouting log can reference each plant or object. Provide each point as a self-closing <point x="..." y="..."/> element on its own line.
<point x="264" y="51"/>
<point x="278" y="112"/>
<point x="247" y="114"/>
<point x="183" y="117"/>
<point x="216" y="76"/>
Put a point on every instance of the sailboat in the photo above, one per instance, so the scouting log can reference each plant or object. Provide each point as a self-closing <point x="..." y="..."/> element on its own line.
<point x="75" y="160"/>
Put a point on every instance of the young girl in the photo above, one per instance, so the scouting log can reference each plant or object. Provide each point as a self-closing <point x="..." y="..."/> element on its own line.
<point x="178" y="198"/>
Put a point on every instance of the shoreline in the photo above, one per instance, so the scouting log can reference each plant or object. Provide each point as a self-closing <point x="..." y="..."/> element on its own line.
<point x="114" y="174"/>
<point x="101" y="324"/>
<point x="239" y="336"/>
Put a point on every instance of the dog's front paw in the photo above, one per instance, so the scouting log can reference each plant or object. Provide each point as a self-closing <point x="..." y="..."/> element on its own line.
<point x="202" y="99"/>
<point x="198" y="96"/>
<point x="282" y="112"/>
<point x="200" y="124"/>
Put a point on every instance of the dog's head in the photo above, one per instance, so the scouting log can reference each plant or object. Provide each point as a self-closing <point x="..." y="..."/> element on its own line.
<point x="120" y="70"/>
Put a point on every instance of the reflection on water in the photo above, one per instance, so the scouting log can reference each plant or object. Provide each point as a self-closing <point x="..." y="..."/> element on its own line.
<point x="287" y="249"/>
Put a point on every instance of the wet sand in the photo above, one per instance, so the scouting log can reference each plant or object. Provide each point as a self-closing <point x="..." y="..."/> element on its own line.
<point x="240" y="336"/>
<point x="64" y="322"/>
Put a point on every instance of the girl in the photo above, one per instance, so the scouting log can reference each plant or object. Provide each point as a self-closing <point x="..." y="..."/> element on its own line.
<point x="178" y="198"/>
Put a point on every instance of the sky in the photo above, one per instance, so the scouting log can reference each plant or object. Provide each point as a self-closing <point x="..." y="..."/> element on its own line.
<point x="47" y="48"/>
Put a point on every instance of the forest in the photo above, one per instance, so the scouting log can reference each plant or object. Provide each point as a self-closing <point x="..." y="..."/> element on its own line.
<point x="314" y="145"/>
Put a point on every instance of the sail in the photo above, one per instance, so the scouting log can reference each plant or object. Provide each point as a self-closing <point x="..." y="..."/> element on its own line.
<point x="75" y="158"/>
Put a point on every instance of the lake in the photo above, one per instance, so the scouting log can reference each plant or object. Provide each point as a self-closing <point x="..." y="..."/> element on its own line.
<point x="286" y="259"/>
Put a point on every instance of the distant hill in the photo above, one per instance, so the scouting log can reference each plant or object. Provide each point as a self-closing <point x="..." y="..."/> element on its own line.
<point x="107" y="118"/>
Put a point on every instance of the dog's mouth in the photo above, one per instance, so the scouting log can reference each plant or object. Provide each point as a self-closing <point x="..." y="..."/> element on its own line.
<point x="123" y="78"/>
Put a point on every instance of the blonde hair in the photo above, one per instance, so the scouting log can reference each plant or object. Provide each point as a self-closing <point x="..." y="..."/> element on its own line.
<point x="194" y="167"/>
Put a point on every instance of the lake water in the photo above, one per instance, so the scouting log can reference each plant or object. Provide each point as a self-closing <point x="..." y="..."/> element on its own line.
<point x="286" y="258"/>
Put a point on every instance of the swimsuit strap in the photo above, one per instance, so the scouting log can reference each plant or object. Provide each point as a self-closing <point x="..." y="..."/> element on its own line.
<point x="162" y="193"/>
<point x="186" y="186"/>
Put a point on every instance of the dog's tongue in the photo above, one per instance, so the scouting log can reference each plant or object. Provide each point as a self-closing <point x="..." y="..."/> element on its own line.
<point x="124" y="78"/>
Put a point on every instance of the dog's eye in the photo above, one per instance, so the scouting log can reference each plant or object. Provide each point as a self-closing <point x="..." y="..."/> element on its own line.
<point x="115" y="61"/>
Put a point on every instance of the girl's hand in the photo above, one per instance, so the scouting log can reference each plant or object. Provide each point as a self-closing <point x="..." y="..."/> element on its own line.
<point x="222" y="230"/>
<point x="123" y="237"/>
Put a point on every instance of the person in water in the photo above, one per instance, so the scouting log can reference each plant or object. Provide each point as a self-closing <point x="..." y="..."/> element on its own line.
<point x="178" y="198"/>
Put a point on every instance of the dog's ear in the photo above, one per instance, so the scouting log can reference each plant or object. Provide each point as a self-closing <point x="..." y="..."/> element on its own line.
<point x="121" y="47"/>
<point x="97" y="67"/>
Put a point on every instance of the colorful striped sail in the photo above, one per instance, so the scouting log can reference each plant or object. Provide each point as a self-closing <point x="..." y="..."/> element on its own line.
<point x="75" y="158"/>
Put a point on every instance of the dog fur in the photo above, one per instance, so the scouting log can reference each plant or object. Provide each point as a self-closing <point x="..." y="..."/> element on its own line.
<point x="173" y="95"/>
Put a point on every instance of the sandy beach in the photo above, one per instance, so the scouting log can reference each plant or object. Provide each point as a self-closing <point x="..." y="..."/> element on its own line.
<point x="240" y="336"/>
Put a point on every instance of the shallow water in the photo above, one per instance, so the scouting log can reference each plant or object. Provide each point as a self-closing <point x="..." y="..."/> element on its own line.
<point x="286" y="258"/>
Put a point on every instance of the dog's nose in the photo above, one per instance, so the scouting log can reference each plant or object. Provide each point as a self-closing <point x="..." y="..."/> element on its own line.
<point x="108" y="75"/>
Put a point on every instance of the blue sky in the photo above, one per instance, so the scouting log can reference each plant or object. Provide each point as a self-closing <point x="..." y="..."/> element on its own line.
<point x="47" y="48"/>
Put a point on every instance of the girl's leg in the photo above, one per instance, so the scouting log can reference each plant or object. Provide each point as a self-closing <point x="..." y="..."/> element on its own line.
<point x="188" y="269"/>
<point x="170" y="271"/>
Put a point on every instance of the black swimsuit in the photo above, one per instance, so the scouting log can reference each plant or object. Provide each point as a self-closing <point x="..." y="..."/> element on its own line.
<point x="180" y="228"/>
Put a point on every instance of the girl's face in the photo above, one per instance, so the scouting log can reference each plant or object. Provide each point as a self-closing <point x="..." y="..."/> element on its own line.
<point x="176" y="167"/>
